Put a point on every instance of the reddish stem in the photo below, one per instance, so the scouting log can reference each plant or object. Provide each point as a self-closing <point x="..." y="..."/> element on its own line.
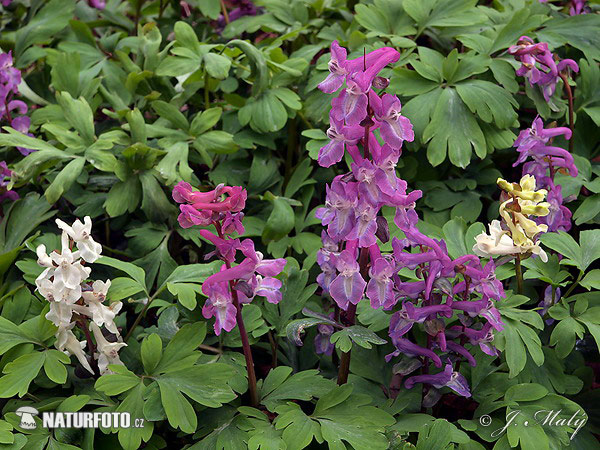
<point x="243" y="335"/>
<point x="571" y="113"/>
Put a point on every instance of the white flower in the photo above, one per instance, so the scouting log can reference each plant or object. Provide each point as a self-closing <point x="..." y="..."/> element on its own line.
<point x="60" y="314"/>
<point x="43" y="259"/>
<point x="498" y="242"/>
<point x="81" y="233"/>
<point x="100" y="314"/>
<point x="57" y="292"/>
<point x="67" y="342"/>
<point x="108" y="352"/>
<point x="69" y="270"/>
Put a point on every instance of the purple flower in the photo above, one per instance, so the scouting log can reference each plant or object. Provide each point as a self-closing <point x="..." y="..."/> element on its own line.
<point x="340" y="67"/>
<point x="5" y="177"/>
<point x="374" y="184"/>
<point x="380" y="286"/>
<point x="484" y="308"/>
<point x="323" y="345"/>
<point x="483" y="338"/>
<point x="338" y="213"/>
<point x="395" y="128"/>
<point x="98" y="4"/>
<point x="366" y="225"/>
<point x="548" y="302"/>
<point x="406" y="347"/>
<point x="349" y="285"/>
<point x="559" y="217"/>
<point x="403" y="320"/>
<point x="538" y="64"/>
<point x="219" y="305"/>
<point x="536" y="136"/>
<point x="341" y="136"/>
<point x="447" y="378"/>
<point x="577" y="7"/>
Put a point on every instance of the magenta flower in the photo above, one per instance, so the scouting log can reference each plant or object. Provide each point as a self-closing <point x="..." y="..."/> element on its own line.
<point x="98" y="4"/>
<point x="374" y="184"/>
<point x="219" y="305"/>
<point x="577" y="7"/>
<point x="538" y="65"/>
<point x="447" y="378"/>
<point x="394" y="127"/>
<point x="338" y="213"/>
<point x="349" y="285"/>
<point x="366" y="225"/>
<point x="340" y="67"/>
<point x="559" y="217"/>
<point x="266" y="267"/>
<point x="341" y="136"/>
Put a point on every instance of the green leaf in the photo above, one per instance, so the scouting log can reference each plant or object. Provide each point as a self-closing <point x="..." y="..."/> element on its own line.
<point x="217" y="65"/>
<point x="359" y="335"/>
<point x="46" y="24"/>
<point x="131" y="438"/>
<point x="489" y="101"/>
<point x="79" y="115"/>
<point x="258" y="65"/>
<point x="117" y="383"/>
<point x="279" y="386"/>
<point x="264" y="113"/>
<point x="210" y="8"/>
<point x="453" y="131"/>
<point x="216" y="141"/>
<point x="137" y="125"/>
<point x="151" y="352"/>
<point x="64" y="179"/>
<point x="20" y="373"/>
<point x="205" y="120"/>
<point x="185" y="293"/>
<point x="123" y="287"/>
<point x="135" y="272"/>
<point x="592" y="280"/>
<point x="54" y="366"/>
<point x="280" y="222"/>
<point x="525" y="392"/>
<point x="171" y="113"/>
<point x="181" y="352"/>
<point x="10" y="335"/>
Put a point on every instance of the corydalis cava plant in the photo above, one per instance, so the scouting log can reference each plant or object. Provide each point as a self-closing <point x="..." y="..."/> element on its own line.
<point x="351" y="260"/>
<point x="233" y="285"/>
<point x="76" y="301"/>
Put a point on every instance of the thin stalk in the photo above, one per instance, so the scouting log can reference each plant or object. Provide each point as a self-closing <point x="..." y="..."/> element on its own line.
<point x="519" y="274"/>
<point x="138" y="13"/>
<point x="252" y="389"/>
<point x="574" y="285"/>
<point x="570" y="98"/>
<point x="206" y="92"/>
<point x="224" y="10"/>
<point x="247" y="350"/>
<point x="142" y="313"/>
<point x="345" y="359"/>
<point x="273" y="343"/>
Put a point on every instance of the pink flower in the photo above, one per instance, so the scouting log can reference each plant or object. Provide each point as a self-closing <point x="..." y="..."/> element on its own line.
<point x="395" y="128"/>
<point x="219" y="305"/>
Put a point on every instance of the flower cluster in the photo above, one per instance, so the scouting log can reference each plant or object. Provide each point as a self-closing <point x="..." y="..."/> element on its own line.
<point x="10" y="78"/>
<point x="74" y="301"/>
<point x="351" y="261"/>
<point x="517" y="233"/>
<point x="538" y="65"/>
<point x="544" y="162"/>
<point x="232" y="285"/>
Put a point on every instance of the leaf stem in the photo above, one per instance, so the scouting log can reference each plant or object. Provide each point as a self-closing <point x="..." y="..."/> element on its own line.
<point x="247" y="350"/>
<point x="570" y="98"/>
<point x="519" y="274"/>
<point x="142" y="313"/>
<point x="574" y="285"/>
<point x="225" y="14"/>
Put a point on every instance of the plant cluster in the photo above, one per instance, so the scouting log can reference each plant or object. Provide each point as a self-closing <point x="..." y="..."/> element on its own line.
<point x="345" y="224"/>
